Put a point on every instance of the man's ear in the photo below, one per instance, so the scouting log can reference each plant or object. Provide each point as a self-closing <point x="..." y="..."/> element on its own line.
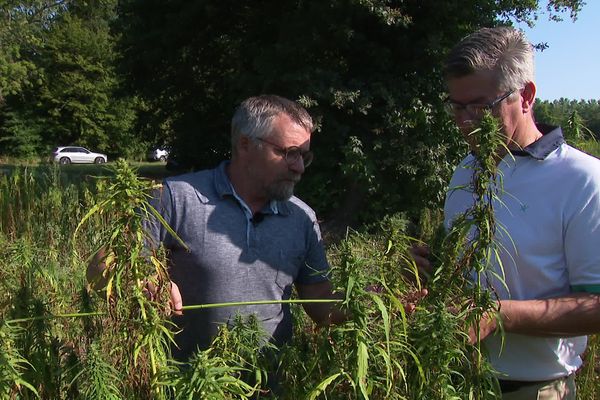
<point x="240" y="148"/>
<point x="528" y="97"/>
<point x="243" y="143"/>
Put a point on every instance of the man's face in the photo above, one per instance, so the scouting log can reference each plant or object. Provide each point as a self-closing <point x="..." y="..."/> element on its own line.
<point x="276" y="176"/>
<point x="481" y="89"/>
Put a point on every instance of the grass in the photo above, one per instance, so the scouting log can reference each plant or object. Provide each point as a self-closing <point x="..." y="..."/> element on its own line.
<point x="62" y="340"/>
<point x="154" y="170"/>
<point x="68" y="342"/>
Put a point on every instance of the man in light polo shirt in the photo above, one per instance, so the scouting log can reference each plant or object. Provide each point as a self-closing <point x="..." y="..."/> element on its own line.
<point x="550" y="208"/>
<point x="249" y="238"/>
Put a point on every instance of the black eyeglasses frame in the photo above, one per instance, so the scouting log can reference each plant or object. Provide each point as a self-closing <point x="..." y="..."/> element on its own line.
<point x="292" y="154"/>
<point x="476" y="109"/>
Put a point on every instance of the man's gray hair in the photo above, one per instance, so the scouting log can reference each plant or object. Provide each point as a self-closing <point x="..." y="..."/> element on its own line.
<point x="254" y="117"/>
<point x="504" y="51"/>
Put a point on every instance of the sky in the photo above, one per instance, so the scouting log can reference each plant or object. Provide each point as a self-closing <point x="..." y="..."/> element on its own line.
<point x="570" y="66"/>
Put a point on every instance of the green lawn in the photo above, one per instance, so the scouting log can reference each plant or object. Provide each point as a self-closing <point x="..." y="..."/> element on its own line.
<point x="76" y="172"/>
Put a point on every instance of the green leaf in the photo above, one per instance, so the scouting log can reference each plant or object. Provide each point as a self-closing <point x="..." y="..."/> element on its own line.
<point x="322" y="386"/>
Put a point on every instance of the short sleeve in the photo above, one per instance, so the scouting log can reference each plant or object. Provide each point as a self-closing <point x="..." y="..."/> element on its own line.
<point x="316" y="267"/>
<point x="582" y="238"/>
<point x="161" y="203"/>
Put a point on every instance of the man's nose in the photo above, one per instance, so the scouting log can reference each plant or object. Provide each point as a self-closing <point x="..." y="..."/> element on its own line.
<point x="297" y="166"/>
<point x="464" y="119"/>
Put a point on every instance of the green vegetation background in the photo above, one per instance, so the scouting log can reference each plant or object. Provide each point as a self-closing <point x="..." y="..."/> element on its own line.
<point x="120" y="76"/>
<point x="62" y="340"/>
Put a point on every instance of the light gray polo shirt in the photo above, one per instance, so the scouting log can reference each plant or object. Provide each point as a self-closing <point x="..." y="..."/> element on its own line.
<point x="232" y="256"/>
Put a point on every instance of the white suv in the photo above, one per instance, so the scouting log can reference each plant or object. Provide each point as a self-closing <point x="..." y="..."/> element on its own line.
<point x="158" y="154"/>
<point x="75" y="154"/>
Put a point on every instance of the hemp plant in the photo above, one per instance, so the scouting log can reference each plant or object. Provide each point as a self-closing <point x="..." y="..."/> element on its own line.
<point x="459" y="293"/>
<point x="365" y="357"/>
<point x="138" y="331"/>
<point x="138" y="334"/>
<point x="233" y="367"/>
<point x="37" y="219"/>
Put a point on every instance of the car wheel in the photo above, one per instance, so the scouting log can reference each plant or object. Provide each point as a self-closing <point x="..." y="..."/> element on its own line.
<point x="99" y="160"/>
<point x="65" y="160"/>
<point x="163" y="158"/>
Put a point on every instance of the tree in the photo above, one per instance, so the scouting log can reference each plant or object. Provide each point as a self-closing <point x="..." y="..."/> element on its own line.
<point x="76" y="97"/>
<point x="368" y="70"/>
<point x="79" y="83"/>
<point x="22" y="28"/>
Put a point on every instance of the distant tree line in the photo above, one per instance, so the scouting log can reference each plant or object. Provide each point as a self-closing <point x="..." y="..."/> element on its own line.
<point x="120" y="75"/>
<point x="580" y="119"/>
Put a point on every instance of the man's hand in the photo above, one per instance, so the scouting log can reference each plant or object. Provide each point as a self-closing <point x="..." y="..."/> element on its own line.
<point x="487" y="326"/>
<point x="323" y="314"/>
<point x="412" y="299"/>
<point x="96" y="267"/>
<point x="175" y="302"/>
<point x="574" y="314"/>
<point x="95" y="276"/>
<point x="420" y="255"/>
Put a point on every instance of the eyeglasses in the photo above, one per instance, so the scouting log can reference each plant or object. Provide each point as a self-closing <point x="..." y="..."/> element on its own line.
<point x="292" y="154"/>
<point x="475" y="109"/>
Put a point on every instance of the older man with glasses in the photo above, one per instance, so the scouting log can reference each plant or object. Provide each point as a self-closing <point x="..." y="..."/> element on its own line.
<point x="248" y="238"/>
<point x="548" y="282"/>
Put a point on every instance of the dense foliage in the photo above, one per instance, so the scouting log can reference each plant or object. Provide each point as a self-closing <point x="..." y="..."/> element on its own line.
<point x="61" y="84"/>
<point x="369" y="72"/>
<point x="61" y="339"/>
<point x="118" y="76"/>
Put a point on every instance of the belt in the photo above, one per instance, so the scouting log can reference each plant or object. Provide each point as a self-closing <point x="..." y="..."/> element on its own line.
<point x="507" y="386"/>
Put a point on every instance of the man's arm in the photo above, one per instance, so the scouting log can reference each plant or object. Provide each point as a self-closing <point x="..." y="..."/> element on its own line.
<point x="322" y="314"/>
<point x="575" y="314"/>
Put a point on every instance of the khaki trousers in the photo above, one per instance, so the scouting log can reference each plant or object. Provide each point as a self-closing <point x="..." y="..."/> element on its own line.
<point x="560" y="389"/>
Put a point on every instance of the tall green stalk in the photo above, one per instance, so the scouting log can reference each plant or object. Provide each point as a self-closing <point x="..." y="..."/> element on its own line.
<point x="459" y="291"/>
<point x="139" y="324"/>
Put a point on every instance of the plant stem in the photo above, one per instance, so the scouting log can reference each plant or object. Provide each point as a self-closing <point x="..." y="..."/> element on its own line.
<point x="184" y="308"/>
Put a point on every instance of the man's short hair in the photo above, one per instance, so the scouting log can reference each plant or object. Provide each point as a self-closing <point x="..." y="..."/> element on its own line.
<point x="254" y="117"/>
<point x="504" y="51"/>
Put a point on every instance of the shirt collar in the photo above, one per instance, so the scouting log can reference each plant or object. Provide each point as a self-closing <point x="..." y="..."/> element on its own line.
<point x="551" y="140"/>
<point x="224" y="188"/>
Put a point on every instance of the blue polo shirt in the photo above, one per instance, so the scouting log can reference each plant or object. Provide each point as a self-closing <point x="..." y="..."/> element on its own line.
<point x="548" y="217"/>
<point x="234" y="256"/>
